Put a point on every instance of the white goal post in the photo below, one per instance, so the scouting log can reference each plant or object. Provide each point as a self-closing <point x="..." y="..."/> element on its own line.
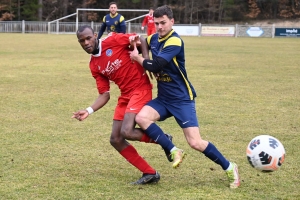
<point x="121" y="10"/>
<point x="90" y="9"/>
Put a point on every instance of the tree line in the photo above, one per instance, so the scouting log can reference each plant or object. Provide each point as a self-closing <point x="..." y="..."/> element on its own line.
<point x="185" y="11"/>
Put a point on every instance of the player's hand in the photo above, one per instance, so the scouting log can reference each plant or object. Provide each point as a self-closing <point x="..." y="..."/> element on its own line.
<point x="151" y="74"/>
<point x="134" y="53"/>
<point x="80" y="115"/>
<point x="135" y="39"/>
<point x="156" y="75"/>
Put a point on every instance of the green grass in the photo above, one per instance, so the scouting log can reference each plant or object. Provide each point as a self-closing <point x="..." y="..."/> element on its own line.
<point x="245" y="86"/>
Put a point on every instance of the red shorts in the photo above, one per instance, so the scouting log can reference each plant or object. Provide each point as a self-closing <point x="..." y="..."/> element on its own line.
<point x="151" y="30"/>
<point x="132" y="104"/>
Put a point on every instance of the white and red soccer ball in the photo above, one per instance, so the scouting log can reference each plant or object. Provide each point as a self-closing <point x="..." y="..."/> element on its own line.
<point x="265" y="153"/>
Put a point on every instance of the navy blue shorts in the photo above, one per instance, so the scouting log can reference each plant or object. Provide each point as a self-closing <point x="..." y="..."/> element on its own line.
<point x="184" y="112"/>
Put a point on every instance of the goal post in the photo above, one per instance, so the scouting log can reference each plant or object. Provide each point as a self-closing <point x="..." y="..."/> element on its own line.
<point x="57" y="21"/>
<point x="121" y="10"/>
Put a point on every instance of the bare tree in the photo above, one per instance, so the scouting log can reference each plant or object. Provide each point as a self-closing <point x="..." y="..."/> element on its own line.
<point x="40" y="10"/>
<point x="65" y="7"/>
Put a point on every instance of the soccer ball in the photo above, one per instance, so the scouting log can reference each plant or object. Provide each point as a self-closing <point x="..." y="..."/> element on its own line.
<point x="265" y="153"/>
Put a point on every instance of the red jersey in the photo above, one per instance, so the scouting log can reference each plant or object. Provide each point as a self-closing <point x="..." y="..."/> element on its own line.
<point x="113" y="63"/>
<point x="149" y="21"/>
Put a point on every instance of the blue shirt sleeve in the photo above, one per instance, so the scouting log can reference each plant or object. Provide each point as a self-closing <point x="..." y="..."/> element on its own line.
<point x="123" y="27"/>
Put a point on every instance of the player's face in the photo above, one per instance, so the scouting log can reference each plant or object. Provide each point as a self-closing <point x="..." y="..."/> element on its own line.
<point x="113" y="9"/>
<point x="87" y="40"/>
<point x="151" y="12"/>
<point x="163" y="25"/>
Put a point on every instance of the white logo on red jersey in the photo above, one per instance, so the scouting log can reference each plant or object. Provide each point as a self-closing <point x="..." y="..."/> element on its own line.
<point x="111" y="67"/>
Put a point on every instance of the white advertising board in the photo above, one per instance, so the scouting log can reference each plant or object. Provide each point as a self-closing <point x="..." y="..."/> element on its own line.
<point x="218" y="31"/>
<point x="187" y="30"/>
<point x="255" y="31"/>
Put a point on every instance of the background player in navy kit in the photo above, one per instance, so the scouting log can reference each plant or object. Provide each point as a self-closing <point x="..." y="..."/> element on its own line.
<point x="114" y="22"/>
<point x="176" y="95"/>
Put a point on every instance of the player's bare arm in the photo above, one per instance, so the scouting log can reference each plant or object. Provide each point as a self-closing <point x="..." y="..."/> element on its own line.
<point x="99" y="103"/>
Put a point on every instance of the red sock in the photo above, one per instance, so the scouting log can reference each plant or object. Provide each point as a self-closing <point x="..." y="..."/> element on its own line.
<point x="145" y="138"/>
<point x="132" y="156"/>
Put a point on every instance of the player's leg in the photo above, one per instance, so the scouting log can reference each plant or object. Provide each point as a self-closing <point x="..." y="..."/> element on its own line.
<point x="146" y="119"/>
<point x="186" y="117"/>
<point x="128" y="130"/>
<point x="152" y="30"/>
<point x="124" y="148"/>
<point x="149" y="32"/>
<point x="131" y="155"/>
<point x="193" y="138"/>
<point x="195" y="141"/>
<point x="133" y="105"/>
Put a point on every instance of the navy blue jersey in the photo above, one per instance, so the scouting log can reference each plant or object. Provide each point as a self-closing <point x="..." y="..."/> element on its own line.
<point x="114" y="23"/>
<point x="172" y="83"/>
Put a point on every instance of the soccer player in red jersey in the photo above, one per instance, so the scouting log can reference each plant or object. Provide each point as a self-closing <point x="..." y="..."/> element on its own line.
<point x="110" y="61"/>
<point x="149" y="22"/>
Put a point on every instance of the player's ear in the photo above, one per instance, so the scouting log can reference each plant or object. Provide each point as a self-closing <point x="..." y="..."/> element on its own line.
<point x="172" y="20"/>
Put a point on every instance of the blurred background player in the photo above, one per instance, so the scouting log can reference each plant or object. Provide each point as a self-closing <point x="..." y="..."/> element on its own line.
<point x="149" y="22"/>
<point x="114" y="22"/>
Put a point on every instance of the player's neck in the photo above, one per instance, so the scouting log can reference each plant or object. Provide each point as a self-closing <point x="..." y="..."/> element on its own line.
<point x="96" y="50"/>
<point x="113" y="15"/>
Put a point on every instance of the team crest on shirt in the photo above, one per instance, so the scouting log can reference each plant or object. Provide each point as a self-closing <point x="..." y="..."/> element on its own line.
<point x="109" y="52"/>
<point x="164" y="77"/>
<point x="112" y="28"/>
<point x="116" y="23"/>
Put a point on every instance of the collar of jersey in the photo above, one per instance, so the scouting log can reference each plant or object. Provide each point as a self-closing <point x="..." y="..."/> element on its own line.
<point x="100" y="49"/>
<point x="166" y="37"/>
<point x="114" y="15"/>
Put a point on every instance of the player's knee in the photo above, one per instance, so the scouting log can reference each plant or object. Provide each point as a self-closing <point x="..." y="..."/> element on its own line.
<point x="197" y="145"/>
<point x="140" y="118"/>
<point x="115" y="141"/>
<point x="125" y="132"/>
<point x="194" y="145"/>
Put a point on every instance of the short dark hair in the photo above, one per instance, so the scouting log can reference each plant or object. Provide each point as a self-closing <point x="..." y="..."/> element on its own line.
<point x="113" y="3"/>
<point x="151" y="8"/>
<point x="82" y="28"/>
<point x="163" y="10"/>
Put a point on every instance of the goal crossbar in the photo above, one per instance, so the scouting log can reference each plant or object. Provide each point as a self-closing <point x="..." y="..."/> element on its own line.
<point x="125" y="10"/>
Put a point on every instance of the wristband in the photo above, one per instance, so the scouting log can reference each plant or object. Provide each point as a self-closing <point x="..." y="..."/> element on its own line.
<point x="90" y="110"/>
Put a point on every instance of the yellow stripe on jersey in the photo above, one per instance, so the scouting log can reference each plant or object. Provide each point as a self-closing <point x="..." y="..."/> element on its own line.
<point x="166" y="37"/>
<point x="176" y="42"/>
<point x="149" y="39"/>
<point x="173" y="41"/>
<point x="186" y="82"/>
<point x="104" y="19"/>
<point x="122" y="18"/>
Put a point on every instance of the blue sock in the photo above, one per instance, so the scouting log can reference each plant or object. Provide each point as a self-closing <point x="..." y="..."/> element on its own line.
<point x="214" y="154"/>
<point x="156" y="134"/>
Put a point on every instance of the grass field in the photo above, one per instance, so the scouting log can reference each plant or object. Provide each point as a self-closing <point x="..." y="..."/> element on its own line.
<point x="245" y="86"/>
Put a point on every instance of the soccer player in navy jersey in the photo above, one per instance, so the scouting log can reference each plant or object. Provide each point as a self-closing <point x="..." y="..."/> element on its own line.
<point x="176" y="95"/>
<point x="114" y="22"/>
<point x="110" y="61"/>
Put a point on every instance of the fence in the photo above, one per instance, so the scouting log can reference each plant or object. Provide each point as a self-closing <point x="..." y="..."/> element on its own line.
<point x="182" y="29"/>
